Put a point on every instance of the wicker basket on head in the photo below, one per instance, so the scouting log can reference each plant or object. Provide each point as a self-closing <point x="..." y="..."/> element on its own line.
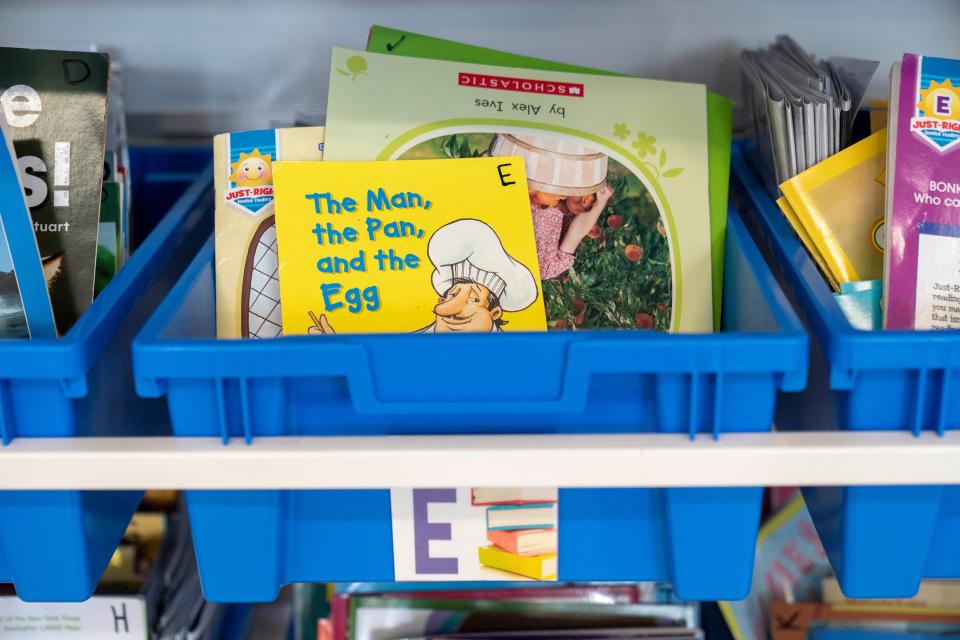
<point x="554" y="165"/>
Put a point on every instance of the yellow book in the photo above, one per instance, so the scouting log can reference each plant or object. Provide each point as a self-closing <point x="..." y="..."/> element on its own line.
<point x="537" y="567"/>
<point x="807" y="241"/>
<point x="430" y="246"/>
<point x="840" y="203"/>
<point x="248" y="294"/>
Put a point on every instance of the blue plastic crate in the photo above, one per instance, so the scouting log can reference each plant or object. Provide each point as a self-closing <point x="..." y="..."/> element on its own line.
<point x="54" y="545"/>
<point x="250" y="542"/>
<point x="880" y="540"/>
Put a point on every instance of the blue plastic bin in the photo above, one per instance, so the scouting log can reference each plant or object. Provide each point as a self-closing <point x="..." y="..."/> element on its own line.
<point x="251" y="542"/>
<point x="881" y="541"/>
<point x="54" y="545"/>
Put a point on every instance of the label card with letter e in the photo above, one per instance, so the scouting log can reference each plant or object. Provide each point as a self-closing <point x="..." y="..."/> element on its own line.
<point x="435" y="246"/>
<point x="446" y="534"/>
<point x="124" y="618"/>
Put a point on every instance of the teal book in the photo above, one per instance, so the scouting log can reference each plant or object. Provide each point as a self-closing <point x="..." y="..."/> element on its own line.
<point x="860" y="303"/>
<point x="521" y="517"/>
<point x="108" y="236"/>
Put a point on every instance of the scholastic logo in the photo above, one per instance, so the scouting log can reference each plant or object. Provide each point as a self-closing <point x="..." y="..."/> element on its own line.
<point x="503" y="83"/>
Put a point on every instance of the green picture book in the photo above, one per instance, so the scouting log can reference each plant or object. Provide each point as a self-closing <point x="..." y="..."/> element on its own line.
<point x="55" y="105"/>
<point x="108" y="236"/>
<point x="719" y="118"/>
<point x="616" y="167"/>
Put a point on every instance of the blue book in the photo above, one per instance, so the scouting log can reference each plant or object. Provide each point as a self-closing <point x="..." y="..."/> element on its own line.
<point x="25" y="310"/>
<point x="860" y="302"/>
<point x="516" y="517"/>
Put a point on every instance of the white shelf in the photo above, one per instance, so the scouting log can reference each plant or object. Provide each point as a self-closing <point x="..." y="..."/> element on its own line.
<point x="773" y="459"/>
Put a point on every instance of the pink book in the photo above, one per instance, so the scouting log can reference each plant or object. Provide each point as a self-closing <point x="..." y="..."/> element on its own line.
<point x="525" y="542"/>
<point x="339" y="612"/>
<point x="922" y="270"/>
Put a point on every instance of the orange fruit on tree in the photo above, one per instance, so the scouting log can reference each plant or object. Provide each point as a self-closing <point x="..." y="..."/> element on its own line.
<point x="633" y="252"/>
<point x="644" y="320"/>
<point x="581" y="308"/>
<point x="545" y="199"/>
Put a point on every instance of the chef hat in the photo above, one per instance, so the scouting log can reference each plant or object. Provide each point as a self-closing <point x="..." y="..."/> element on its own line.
<point x="469" y="249"/>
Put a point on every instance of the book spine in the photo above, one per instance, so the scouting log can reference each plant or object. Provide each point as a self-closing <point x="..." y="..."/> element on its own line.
<point x="509" y="503"/>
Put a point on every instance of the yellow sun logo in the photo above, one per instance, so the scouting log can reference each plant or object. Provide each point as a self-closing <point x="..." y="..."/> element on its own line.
<point x="940" y="101"/>
<point x="252" y="169"/>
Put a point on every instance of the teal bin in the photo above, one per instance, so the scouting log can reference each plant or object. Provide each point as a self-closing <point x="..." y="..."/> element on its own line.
<point x="881" y="541"/>
<point x="54" y="545"/>
<point x="249" y="543"/>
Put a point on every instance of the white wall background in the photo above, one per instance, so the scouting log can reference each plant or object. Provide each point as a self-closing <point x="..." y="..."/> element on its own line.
<point x="202" y="65"/>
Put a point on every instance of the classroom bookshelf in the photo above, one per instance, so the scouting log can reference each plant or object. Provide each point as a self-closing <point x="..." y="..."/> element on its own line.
<point x="691" y="436"/>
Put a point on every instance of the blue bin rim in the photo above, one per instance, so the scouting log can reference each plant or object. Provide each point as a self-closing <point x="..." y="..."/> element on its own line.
<point x="848" y="349"/>
<point x="71" y="356"/>
<point x="223" y="358"/>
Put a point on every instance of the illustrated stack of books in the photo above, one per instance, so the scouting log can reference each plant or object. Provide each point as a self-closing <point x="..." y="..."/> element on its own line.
<point x="521" y="530"/>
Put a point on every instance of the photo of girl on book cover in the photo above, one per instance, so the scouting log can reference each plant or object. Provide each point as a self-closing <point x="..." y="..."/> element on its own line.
<point x="13" y="320"/>
<point x="601" y="242"/>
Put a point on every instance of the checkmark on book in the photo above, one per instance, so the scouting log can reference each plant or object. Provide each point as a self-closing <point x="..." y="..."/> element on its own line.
<point x="393" y="45"/>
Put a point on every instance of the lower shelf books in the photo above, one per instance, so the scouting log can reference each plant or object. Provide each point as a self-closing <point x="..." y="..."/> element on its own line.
<point x="611" y="596"/>
<point x="372" y="617"/>
<point x="537" y="567"/>
<point x="648" y="633"/>
<point x="933" y="594"/>
<point x="803" y="620"/>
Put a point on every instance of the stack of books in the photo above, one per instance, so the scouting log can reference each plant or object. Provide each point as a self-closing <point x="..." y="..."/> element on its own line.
<point x="521" y="530"/>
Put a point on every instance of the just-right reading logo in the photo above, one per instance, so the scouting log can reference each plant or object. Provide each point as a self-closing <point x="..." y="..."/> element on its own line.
<point x="937" y="114"/>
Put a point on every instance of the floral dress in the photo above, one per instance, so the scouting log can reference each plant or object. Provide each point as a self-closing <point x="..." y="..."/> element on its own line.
<point x="548" y="227"/>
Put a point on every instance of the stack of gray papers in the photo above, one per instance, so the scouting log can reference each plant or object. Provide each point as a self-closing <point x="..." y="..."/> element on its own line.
<point x="802" y="109"/>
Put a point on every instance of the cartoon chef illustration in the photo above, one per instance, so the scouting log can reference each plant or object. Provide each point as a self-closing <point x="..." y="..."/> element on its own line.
<point x="476" y="279"/>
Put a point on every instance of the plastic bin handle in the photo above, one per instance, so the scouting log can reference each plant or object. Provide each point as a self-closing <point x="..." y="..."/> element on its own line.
<point x="585" y="358"/>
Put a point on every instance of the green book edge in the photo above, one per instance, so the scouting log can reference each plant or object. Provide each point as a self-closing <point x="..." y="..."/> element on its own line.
<point x="719" y="120"/>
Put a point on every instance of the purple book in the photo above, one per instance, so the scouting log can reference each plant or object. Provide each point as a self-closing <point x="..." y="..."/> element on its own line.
<point x="922" y="258"/>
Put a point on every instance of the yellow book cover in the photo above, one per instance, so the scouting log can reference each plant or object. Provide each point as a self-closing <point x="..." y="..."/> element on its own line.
<point x="537" y="567"/>
<point x="426" y="247"/>
<point x="840" y="203"/>
<point x="248" y="294"/>
<point x="807" y="241"/>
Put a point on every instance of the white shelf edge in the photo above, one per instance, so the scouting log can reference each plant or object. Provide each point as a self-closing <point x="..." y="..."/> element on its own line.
<point x="650" y="460"/>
